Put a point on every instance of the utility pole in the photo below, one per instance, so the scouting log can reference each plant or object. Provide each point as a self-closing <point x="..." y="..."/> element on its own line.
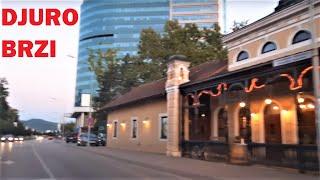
<point x="316" y="78"/>
<point x="90" y="120"/>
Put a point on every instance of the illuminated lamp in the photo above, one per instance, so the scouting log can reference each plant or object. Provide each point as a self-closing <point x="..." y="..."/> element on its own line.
<point x="203" y="115"/>
<point x="108" y="125"/>
<point x="268" y="101"/>
<point x="145" y="121"/>
<point x="310" y="106"/>
<point x="276" y="108"/>
<point x="300" y="100"/>
<point x="123" y="124"/>
<point x="302" y="106"/>
<point x="242" y="104"/>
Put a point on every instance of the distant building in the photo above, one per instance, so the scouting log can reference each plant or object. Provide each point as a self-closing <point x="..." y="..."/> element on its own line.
<point x="204" y="13"/>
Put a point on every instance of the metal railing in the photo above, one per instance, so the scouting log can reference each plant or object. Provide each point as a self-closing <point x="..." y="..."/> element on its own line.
<point x="302" y="157"/>
<point x="206" y="150"/>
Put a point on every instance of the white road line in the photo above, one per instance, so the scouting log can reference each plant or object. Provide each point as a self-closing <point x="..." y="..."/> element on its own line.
<point x="43" y="164"/>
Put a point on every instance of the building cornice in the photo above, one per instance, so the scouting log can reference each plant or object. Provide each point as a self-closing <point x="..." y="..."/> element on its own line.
<point x="268" y="20"/>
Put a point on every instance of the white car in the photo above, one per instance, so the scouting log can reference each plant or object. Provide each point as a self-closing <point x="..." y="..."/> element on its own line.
<point x="9" y="138"/>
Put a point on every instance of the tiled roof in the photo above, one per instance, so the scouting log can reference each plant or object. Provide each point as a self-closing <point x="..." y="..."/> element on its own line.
<point x="157" y="88"/>
<point x="148" y="90"/>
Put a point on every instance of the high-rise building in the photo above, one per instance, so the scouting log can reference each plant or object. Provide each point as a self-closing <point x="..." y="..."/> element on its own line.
<point x="114" y="24"/>
<point x="117" y="24"/>
<point x="204" y="13"/>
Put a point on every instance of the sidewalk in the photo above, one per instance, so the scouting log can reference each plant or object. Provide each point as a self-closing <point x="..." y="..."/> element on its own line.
<point x="217" y="170"/>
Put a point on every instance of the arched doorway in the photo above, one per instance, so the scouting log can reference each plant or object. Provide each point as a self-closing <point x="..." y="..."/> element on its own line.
<point x="223" y="125"/>
<point x="245" y="124"/>
<point x="306" y="122"/>
<point x="272" y="124"/>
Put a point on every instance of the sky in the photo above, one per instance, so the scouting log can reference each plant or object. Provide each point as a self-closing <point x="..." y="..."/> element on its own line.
<point x="45" y="88"/>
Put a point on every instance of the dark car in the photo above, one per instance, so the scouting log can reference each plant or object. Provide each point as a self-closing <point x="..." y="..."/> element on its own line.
<point x="83" y="139"/>
<point x="72" y="138"/>
<point x="101" y="141"/>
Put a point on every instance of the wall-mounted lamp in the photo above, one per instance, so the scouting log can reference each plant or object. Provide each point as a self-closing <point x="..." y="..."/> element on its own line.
<point x="276" y="108"/>
<point x="310" y="106"/>
<point x="123" y="124"/>
<point x="300" y="100"/>
<point x="108" y="125"/>
<point x="242" y="104"/>
<point x="302" y="106"/>
<point x="268" y="101"/>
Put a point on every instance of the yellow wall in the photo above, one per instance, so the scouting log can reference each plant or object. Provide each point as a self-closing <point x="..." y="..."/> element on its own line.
<point x="148" y="133"/>
<point x="280" y="32"/>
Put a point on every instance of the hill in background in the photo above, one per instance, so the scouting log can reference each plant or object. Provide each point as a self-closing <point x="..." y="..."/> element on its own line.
<point x="40" y="125"/>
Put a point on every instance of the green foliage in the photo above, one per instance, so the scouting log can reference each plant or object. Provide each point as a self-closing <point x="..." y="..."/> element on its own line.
<point x="69" y="127"/>
<point x="117" y="75"/>
<point x="8" y="115"/>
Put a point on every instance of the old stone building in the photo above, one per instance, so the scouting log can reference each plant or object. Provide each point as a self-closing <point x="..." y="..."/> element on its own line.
<point x="258" y="107"/>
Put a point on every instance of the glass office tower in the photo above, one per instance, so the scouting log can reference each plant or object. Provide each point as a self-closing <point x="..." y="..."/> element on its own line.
<point x="117" y="24"/>
<point x="204" y="13"/>
<point x="114" y="24"/>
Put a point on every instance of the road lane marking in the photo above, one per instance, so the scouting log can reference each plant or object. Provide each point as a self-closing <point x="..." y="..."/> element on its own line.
<point x="7" y="162"/>
<point x="43" y="164"/>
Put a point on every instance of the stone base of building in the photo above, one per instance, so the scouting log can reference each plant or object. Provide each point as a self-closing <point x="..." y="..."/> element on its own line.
<point x="174" y="153"/>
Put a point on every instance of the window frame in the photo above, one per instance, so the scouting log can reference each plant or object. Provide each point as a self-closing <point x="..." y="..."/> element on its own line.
<point x="115" y="129"/>
<point x="161" y="115"/>
<point x="137" y="126"/>
<point x="265" y="45"/>
<point x="293" y="42"/>
<point x="238" y="55"/>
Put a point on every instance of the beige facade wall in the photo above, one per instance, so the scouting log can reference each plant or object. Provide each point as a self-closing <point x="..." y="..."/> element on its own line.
<point x="148" y="117"/>
<point x="279" y="31"/>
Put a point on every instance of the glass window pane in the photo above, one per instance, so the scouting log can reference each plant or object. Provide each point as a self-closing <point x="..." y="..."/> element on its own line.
<point x="301" y="36"/>
<point x="242" y="56"/>
<point x="269" y="46"/>
<point x="164" y="127"/>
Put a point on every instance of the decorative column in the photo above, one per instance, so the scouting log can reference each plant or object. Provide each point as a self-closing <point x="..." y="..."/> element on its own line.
<point x="177" y="74"/>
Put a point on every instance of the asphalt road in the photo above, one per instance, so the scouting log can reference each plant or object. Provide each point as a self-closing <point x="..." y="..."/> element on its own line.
<point x="58" y="160"/>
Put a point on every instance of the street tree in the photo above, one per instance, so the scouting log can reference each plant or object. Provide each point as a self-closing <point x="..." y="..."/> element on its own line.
<point x="116" y="75"/>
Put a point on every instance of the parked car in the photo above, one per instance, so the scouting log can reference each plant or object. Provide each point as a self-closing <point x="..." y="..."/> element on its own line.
<point x="73" y="137"/>
<point x="18" y="138"/>
<point x="101" y="141"/>
<point x="9" y="138"/>
<point x="83" y="139"/>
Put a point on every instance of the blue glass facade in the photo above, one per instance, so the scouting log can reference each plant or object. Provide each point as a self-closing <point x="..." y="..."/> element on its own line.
<point x="204" y="13"/>
<point x="114" y="24"/>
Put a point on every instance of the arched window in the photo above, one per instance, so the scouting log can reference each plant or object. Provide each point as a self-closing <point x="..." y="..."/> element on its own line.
<point x="243" y="55"/>
<point x="268" y="47"/>
<point x="301" y="36"/>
